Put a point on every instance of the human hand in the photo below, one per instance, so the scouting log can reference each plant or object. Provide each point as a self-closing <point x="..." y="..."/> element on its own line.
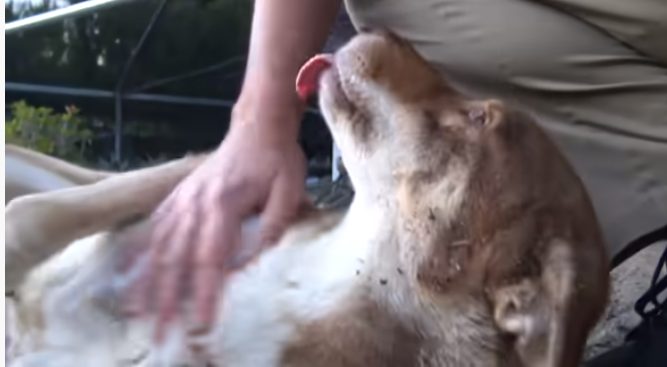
<point x="196" y="232"/>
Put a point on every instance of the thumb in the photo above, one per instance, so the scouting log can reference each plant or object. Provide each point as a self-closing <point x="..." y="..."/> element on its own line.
<point x="281" y="208"/>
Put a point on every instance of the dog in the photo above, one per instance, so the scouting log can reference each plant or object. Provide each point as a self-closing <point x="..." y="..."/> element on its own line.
<point x="29" y="172"/>
<point x="470" y="242"/>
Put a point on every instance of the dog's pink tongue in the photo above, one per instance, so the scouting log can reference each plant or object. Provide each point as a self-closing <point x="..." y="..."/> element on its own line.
<point x="309" y="75"/>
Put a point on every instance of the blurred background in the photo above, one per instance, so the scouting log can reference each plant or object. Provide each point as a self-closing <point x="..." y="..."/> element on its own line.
<point x="136" y="82"/>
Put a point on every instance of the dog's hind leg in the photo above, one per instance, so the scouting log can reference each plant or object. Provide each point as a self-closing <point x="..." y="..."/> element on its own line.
<point x="40" y="225"/>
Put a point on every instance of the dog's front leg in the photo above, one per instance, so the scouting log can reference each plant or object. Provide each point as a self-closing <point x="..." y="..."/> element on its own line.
<point x="550" y="316"/>
<point x="39" y="225"/>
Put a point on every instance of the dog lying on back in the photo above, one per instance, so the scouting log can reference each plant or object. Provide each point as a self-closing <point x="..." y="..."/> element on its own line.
<point x="470" y="242"/>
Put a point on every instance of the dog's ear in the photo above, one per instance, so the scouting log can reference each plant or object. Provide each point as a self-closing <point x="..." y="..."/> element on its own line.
<point x="549" y="316"/>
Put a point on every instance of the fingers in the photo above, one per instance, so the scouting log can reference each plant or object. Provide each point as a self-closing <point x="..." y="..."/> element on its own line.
<point x="173" y="265"/>
<point x="281" y="208"/>
<point x="220" y="235"/>
<point x="190" y="253"/>
<point x="145" y="288"/>
<point x="144" y="266"/>
<point x="187" y="252"/>
<point x="135" y="298"/>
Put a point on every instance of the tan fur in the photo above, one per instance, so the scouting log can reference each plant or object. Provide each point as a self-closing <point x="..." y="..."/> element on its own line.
<point x="522" y="242"/>
<point x="38" y="226"/>
<point x="489" y="253"/>
<point x="77" y="175"/>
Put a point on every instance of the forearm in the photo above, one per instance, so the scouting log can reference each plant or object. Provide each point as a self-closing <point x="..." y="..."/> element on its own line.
<point x="284" y="35"/>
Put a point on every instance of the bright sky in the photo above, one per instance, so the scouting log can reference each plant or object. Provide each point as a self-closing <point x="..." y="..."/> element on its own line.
<point x="16" y="4"/>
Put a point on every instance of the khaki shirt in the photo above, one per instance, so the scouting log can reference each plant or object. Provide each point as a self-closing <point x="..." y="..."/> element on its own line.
<point x="640" y="24"/>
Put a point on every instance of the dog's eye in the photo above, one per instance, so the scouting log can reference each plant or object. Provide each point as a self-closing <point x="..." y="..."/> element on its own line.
<point x="431" y="120"/>
<point x="477" y="116"/>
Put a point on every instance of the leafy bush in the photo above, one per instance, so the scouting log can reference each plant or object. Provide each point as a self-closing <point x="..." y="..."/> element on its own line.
<point x="64" y="135"/>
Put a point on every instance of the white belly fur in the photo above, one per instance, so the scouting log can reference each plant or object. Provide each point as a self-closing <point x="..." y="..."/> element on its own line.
<point x="288" y="284"/>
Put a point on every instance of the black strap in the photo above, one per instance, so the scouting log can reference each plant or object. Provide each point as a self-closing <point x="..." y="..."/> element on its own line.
<point x="651" y="306"/>
<point x="639" y="244"/>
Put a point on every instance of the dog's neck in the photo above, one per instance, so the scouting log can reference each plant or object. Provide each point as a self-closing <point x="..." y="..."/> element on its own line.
<point x="374" y="223"/>
<point x="370" y="218"/>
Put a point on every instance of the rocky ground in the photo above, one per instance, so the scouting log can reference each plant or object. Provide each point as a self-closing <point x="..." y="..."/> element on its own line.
<point x="629" y="281"/>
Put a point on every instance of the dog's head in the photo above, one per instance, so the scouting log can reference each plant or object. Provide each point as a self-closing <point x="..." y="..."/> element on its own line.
<point x="402" y="128"/>
<point x="479" y="188"/>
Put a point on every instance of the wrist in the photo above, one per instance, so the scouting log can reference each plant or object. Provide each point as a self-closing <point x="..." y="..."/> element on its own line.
<point x="276" y="113"/>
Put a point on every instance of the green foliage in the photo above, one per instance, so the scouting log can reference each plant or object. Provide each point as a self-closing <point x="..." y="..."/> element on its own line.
<point x="90" y="52"/>
<point x="63" y="135"/>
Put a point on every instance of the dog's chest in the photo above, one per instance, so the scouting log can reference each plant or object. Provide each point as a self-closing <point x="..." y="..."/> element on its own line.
<point x="289" y="286"/>
<point x="336" y="305"/>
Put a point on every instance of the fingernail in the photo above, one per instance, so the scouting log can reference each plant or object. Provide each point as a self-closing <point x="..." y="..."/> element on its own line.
<point x="267" y="239"/>
<point x="199" y="325"/>
<point x="198" y="328"/>
<point x="161" y="332"/>
<point x="131" y="305"/>
<point x="130" y="310"/>
<point x="158" y="336"/>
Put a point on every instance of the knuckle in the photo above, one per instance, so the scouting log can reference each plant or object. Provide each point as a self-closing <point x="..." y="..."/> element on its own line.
<point x="159" y="234"/>
<point x="189" y="191"/>
<point x="207" y="261"/>
<point x="169" y="259"/>
<point x="228" y="194"/>
<point x="168" y="262"/>
<point x="230" y="189"/>
<point x="276" y="222"/>
<point x="162" y="212"/>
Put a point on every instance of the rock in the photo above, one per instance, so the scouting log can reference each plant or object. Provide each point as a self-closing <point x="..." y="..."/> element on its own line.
<point x="629" y="281"/>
